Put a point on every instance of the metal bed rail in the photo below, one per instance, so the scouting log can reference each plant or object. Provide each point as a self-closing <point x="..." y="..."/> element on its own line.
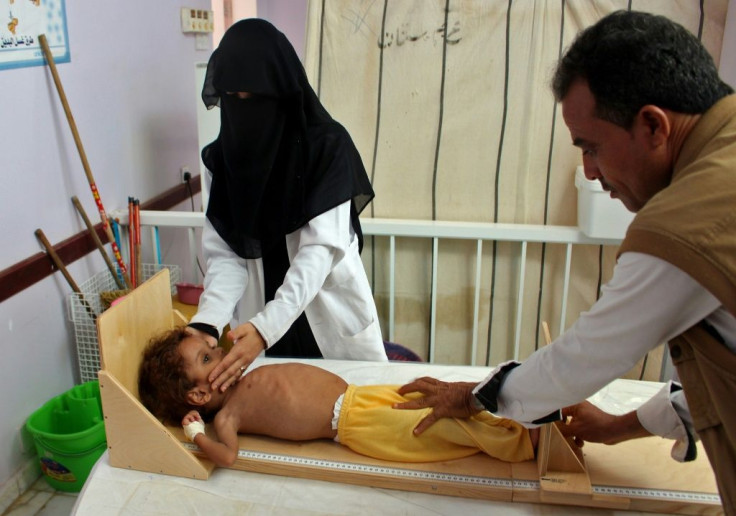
<point x="523" y="234"/>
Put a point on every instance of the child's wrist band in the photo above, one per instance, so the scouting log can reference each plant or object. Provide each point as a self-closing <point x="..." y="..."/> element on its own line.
<point x="192" y="429"/>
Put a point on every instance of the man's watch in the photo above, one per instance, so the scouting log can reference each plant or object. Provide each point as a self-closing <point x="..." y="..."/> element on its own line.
<point x="477" y="405"/>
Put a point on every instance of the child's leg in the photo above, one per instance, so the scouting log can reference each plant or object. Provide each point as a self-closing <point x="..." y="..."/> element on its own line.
<point x="501" y="438"/>
<point x="534" y="436"/>
<point x="369" y="425"/>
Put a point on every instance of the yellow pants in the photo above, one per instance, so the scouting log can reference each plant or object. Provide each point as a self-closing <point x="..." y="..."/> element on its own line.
<point x="370" y="426"/>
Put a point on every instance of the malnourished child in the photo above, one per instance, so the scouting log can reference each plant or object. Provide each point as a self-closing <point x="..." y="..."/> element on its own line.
<point x="301" y="402"/>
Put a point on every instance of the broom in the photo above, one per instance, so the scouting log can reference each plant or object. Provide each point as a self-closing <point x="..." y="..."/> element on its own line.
<point x="107" y="296"/>
<point x="60" y="265"/>
<point x="88" y="172"/>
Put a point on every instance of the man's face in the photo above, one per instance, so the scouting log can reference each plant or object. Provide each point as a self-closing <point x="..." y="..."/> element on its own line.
<point x="625" y="161"/>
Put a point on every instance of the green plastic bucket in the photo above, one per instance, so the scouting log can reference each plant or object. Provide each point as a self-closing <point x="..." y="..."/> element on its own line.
<point x="69" y="434"/>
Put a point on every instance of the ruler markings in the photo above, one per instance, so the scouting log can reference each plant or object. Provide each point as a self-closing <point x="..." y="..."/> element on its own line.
<point x="658" y="494"/>
<point x="467" y="479"/>
<point x="372" y="469"/>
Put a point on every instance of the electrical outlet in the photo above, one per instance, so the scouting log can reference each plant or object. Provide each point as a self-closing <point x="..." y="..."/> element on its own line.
<point x="185" y="174"/>
<point x="202" y="41"/>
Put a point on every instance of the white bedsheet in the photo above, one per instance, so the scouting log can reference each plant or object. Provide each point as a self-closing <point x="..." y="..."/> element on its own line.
<point x="110" y="490"/>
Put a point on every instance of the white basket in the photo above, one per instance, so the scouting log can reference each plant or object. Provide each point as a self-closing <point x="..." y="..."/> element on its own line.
<point x="599" y="216"/>
<point x="82" y="305"/>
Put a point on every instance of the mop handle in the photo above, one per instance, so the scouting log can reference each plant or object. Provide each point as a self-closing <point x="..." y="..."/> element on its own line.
<point x="83" y="156"/>
<point x="97" y="241"/>
<point x="138" y="265"/>
<point x="60" y="265"/>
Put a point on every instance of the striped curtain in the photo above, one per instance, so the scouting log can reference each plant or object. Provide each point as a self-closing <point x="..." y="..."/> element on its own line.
<point x="449" y="104"/>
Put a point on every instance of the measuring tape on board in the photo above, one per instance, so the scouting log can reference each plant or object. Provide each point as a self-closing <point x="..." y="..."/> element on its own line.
<point x="630" y="492"/>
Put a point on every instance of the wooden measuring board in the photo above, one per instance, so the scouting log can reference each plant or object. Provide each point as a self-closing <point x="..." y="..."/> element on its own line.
<point x="478" y="476"/>
<point x="135" y="438"/>
<point x="563" y="475"/>
<point x="637" y="475"/>
<point x="561" y="467"/>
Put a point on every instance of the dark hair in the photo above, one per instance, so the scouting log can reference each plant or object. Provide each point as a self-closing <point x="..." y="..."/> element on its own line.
<point x="631" y="59"/>
<point x="162" y="381"/>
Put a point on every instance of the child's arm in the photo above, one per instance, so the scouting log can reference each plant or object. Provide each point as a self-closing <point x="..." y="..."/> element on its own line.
<point x="223" y="452"/>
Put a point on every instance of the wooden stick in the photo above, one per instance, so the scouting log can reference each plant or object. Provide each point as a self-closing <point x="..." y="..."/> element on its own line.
<point x="82" y="155"/>
<point x="98" y="242"/>
<point x="60" y="265"/>
<point x="138" y="264"/>
<point x="131" y="242"/>
<point x="547" y="336"/>
<point x="545" y="432"/>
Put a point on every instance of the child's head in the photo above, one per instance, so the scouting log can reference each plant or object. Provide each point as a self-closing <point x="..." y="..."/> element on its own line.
<point x="170" y="381"/>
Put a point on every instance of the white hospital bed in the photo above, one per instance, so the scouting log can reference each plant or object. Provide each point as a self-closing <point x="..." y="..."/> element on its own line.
<point x="112" y="490"/>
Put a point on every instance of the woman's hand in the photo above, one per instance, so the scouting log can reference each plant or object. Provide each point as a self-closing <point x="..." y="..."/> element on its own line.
<point x="247" y="345"/>
<point x="446" y="399"/>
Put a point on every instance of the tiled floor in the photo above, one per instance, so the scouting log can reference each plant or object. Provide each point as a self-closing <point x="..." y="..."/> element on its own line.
<point x="42" y="500"/>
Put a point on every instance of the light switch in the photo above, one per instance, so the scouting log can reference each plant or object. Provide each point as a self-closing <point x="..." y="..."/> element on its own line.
<point x="202" y="41"/>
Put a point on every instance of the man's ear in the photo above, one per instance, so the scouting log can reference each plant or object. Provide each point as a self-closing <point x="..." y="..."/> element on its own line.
<point x="198" y="396"/>
<point x="654" y="123"/>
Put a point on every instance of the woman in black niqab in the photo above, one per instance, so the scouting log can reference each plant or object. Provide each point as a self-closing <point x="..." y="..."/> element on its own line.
<point x="275" y="163"/>
<point x="279" y="161"/>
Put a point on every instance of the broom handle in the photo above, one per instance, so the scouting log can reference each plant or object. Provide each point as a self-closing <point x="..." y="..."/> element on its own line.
<point x="83" y="156"/>
<point x="138" y="264"/>
<point x="547" y="335"/>
<point x="98" y="242"/>
<point x="60" y="265"/>
<point x="131" y="241"/>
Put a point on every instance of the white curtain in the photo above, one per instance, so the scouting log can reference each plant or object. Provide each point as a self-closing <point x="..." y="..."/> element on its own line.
<point x="449" y="104"/>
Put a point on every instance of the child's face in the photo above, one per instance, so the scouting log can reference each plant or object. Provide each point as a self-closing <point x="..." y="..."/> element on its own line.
<point x="199" y="358"/>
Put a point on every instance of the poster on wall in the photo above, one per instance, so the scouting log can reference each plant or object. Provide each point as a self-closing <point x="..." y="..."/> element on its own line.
<point x="21" y="22"/>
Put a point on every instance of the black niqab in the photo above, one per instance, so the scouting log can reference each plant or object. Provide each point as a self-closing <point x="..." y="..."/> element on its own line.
<point x="280" y="159"/>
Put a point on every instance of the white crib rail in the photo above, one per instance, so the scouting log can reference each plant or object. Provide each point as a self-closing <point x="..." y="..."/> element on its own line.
<point x="434" y="230"/>
<point x="480" y="232"/>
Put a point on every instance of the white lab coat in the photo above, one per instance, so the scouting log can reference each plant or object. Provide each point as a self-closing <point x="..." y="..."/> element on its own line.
<point x="326" y="281"/>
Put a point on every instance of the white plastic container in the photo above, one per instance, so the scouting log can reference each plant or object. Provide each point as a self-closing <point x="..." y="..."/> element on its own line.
<point x="599" y="216"/>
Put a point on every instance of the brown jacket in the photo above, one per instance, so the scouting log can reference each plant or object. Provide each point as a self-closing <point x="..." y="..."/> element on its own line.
<point x="692" y="225"/>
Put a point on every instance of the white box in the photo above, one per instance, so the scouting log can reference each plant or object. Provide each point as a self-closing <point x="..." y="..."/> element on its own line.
<point x="599" y="216"/>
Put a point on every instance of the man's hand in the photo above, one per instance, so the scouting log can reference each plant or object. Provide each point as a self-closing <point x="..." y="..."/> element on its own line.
<point x="247" y="345"/>
<point x="586" y="422"/>
<point x="446" y="400"/>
